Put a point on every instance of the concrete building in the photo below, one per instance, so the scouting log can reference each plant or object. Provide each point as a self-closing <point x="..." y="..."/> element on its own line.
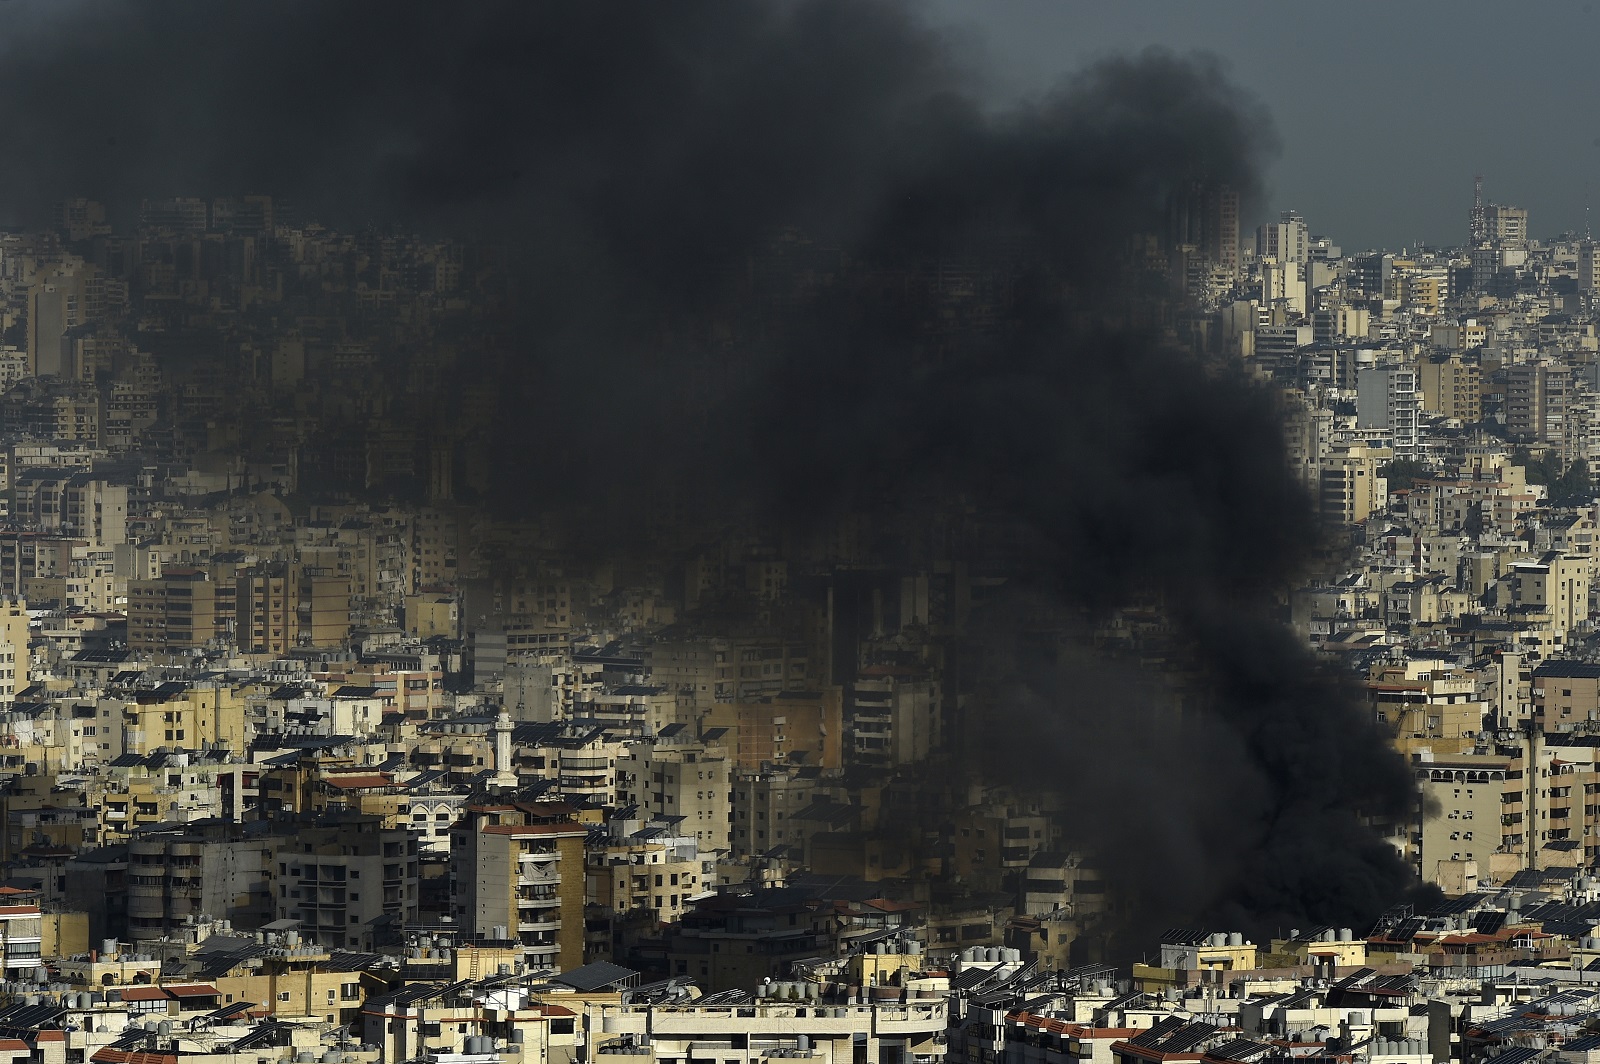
<point x="1565" y="695"/>
<point x="174" y="612"/>
<point x="1555" y="589"/>
<point x="21" y="940"/>
<point x="518" y="875"/>
<point x="15" y="658"/>
<point x="1350" y="487"/>
<point x="346" y="878"/>
<point x="1206" y="219"/>
<point x="1588" y="267"/>
<point x="177" y="875"/>
<point x="764" y="806"/>
<point x="895" y="717"/>
<point x="705" y="669"/>
<point x="645" y="865"/>
<point x="1464" y="825"/>
<point x="909" y="1031"/>
<point x="689" y="780"/>
<point x="1387" y="398"/>
<point x="1451" y="388"/>
<point x="804" y="726"/>
<point x="1537" y="395"/>
<point x="264" y="617"/>
<point x="1286" y="240"/>
<point x="1506" y="225"/>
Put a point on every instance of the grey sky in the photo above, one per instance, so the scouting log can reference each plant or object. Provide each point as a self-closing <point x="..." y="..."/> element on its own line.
<point x="1384" y="110"/>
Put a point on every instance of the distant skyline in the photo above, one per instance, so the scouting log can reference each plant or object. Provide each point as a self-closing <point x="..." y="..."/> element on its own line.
<point x="1384" y="112"/>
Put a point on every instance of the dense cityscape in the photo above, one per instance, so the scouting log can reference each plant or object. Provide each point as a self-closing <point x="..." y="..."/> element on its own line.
<point x="659" y="807"/>
<point x="517" y="552"/>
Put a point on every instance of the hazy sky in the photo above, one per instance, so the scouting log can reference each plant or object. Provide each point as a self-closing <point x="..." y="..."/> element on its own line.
<point x="1384" y="111"/>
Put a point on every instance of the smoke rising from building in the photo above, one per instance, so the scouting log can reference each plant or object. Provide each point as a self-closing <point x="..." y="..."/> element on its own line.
<point x="639" y="160"/>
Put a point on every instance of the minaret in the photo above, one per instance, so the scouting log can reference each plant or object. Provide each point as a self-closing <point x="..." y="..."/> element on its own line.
<point x="504" y="778"/>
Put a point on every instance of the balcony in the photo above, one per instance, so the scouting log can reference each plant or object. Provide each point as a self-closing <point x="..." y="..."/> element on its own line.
<point x="544" y="858"/>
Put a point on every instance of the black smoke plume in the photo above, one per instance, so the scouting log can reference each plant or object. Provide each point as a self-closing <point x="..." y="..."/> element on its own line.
<point x="976" y="337"/>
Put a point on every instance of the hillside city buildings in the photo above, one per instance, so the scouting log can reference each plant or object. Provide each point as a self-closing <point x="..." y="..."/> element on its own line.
<point x="307" y="752"/>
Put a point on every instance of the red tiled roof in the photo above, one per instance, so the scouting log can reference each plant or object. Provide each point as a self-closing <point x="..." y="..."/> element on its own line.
<point x="190" y="990"/>
<point x="350" y="783"/>
<point x="1072" y="1030"/>
<point x="887" y="906"/>
<point x="123" y="1056"/>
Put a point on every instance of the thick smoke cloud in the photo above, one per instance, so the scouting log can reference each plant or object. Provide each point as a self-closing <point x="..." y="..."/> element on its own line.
<point x="640" y="158"/>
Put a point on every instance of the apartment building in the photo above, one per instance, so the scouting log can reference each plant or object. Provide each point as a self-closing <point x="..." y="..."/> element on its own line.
<point x="346" y="878"/>
<point x="764" y="808"/>
<point x="1451" y="387"/>
<point x="1537" y="396"/>
<point x="178" y="875"/>
<point x="172" y="613"/>
<point x="895" y="716"/>
<point x="1350" y="487"/>
<point x="1387" y="398"/>
<point x="911" y="1031"/>
<point x="672" y="778"/>
<point x="519" y="875"/>
<point x="1554" y="589"/>
<point x="1566" y="696"/>
<point x="645" y="865"/>
<point x="15" y="657"/>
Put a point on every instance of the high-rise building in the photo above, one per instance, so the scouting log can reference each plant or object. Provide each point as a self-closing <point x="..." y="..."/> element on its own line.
<point x="180" y="873"/>
<point x="79" y="219"/>
<point x="1506" y="225"/>
<point x="518" y="875"/>
<point x="181" y="216"/>
<point x="1451" y="388"/>
<point x="1308" y="437"/>
<point x="1206" y="218"/>
<point x="1283" y="286"/>
<point x="1555" y="585"/>
<point x="322" y="602"/>
<point x="1371" y="273"/>
<point x="894" y="717"/>
<point x="687" y="780"/>
<point x="1351" y="487"/>
<point x="264" y="610"/>
<point x="67" y="296"/>
<point x="1286" y="240"/>
<point x="1387" y="398"/>
<point x="1588" y="267"/>
<point x="345" y="877"/>
<point x="14" y="655"/>
<point x="1536" y="400"/>
<point x="1479" y="217"/>
<point x="176" y="611"/>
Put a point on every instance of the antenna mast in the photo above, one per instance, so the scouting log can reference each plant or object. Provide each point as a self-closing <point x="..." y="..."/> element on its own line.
<point x="1480" y="217"/>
